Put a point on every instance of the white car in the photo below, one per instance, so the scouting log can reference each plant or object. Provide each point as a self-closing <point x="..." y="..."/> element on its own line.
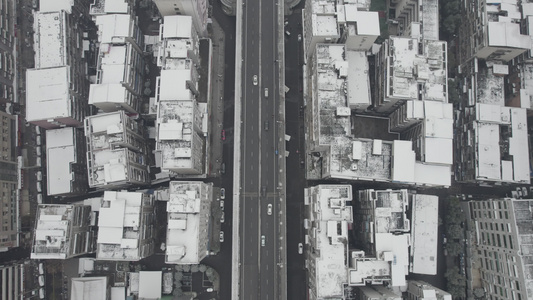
<point x="222" y="204"/>
<point x="41" y="280"/>
<point x="221" y="236"/>
<point x="222" y="193"/>
<point x="269" y="209"/>
<point x="300" y="248"/>
<point x="299" y="38"/>
<point x="262" y="241"/>
<point x="222" y="218"/>
<point x="255" y="80"/>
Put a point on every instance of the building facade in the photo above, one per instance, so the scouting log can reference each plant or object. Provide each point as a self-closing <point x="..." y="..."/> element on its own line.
<point x="7" y="47"/>
<point x="503" y="246"/>
<point x="420" y="290"/>
<point x="8" y="183"/>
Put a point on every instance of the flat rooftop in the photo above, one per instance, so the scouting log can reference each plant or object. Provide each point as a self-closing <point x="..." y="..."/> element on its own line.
<point x="61" y="153"/>
<point x="109" y="7"/>
<point x="179" y="26"/>
<point x="56" y="5"/>
<point x="48" y="95"/>
<point x="105" y="129"/>
<point x="50" y="40"/>
<point x="424" y="234"/>
<point x="114" y="28"/>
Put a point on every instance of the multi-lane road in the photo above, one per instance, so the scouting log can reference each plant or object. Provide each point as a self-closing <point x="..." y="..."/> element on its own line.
<point x="260" y="244"/>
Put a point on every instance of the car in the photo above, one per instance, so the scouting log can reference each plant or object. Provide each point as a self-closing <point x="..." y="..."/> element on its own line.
<point x="300" y="248"/>
<point x="299" y="37"/>
<point x="39" y="198"/>
<point x="221" y="236"/>
<point x="287" y="33"/>
<point x="269" y="209"/>
<point x="223" y="134"/>
<point x="38" y="140"/>
<point x="263" y="241"/>
<point x="223" y="168"/>
<point x="39" y="175"/>
<point x="255" y="80"/>
<point x="266" y="125"/>
<point x="222" y="204"/>
<point x="41" y="293"/>
<point x="263" y="190"/>
<point x="210" y="290"/>
<point x="222" y="193"/>
<point x="524" y="191"/>
<point x="39" y="187"/>
<point x="37" y="130"/>
<point x="41" y="280"/>
<point x="41" y="268"/>
<point x="222" y="218"/>
<point x="266" y="92"/>
<point x="38" y="151"/>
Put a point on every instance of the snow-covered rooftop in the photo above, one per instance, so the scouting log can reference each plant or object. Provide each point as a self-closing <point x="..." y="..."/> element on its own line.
<point x="60" y="154"/>
<point x="188" y="216"/>
<point x="121" y="226"/>
<point x="47" y="94"/>
<point x="50" y="39"/>
<point x="425" y="213"/>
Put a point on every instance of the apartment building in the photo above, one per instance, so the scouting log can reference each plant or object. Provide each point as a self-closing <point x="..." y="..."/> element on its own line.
<point x="66" y="161"/>
<point x="502" y="247"/>
<point x="189" y="212"/>
<point x="332" y="21"/>
<point x="17" y="281"/>
<point x="62" y="231"/>
<point x="491" y="139"/>
<point x="420" y="290"/>
<point x="414" y="18"/>
<point x="57" y="88"/>
<point x="197" y="9"/>
<point x="492" y="31"/>
<point x="116" y="151"/>
<point x="8" y="182"/>
<point x="181" y="121"/>
<point x="120" y="63"/>
<point x="376" y="292"/>
<point x="7" y="48"/>
<point x="126" y="226"/>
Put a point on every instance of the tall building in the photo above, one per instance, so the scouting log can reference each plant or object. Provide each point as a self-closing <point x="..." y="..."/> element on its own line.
<point x="189" y="211"/>
<point x="376" y="292"/>
<point x="16" y="281"/>
<point x="116" y="151"/>
<point x="7" y="48"/>
<point x="415" y="18"/>
<point x="9" y="219"/>
<point x="62" y="231"/>
<point x="197" y="9"/>
<point x="57" y="88"/>
<point x="120" y="67"/>
<point x="181" y="123"/>
<point x="66" y="161"/>
<point x="503" y="247"/>
<point x="126" y="226"/>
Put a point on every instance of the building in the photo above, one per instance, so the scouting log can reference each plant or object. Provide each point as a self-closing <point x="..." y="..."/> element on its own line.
<point x="491" y="139"/>
<point x="120" y="66"/>
<point x="9" y="182"/>
<point x="65" y="156"/>
<point x="492" y="31"/>
<point x="89" y="288"/>
<point x="126" y="226"/>
<point x="502" y="249"/>
<point x="333" y="21"/>
<point x="328" y="217"/>
<point x="376" y="292"/>
<point x="342" y="144"/>
<point x="189" y="211"/>
<point x="7" y="48"/>
<point x="57" y="88"/>
<point x="197" y="9"/>
<point x="415" y="18"/>
<point x="16" y="282"/>
<point x="116" y="151"/>
<point x="181" y="121"/>
<point x="409" y="69"/>
<point x="420" y="290"/>
<point x="62" y="231"/>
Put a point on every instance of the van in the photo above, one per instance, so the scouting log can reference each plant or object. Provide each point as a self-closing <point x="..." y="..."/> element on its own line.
<point x="266" y="92"/>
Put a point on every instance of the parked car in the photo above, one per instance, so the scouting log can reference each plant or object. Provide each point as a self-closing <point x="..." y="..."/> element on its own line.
<point x="222" y="204"/>
<point x="221" y="236"/>
<point x="223" y="134"/>
<point x="39" y="176"/>
<point x="300" y="248"/>
<point x="41" y="268"/>
<point x="263" y="242"/>
<point x="41" y="280"/>
<point x="222" y="218"/>
<point x="269" y="209"/>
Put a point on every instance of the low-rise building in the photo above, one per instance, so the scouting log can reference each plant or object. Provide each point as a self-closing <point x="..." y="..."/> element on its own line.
<point x="420" y="290"/>
<point x="66" y="161"/>
<point x="89" y="288"/>
<point x="116" y="151"/>
<point x="126" y="226"/>
<point x="103" y="7"/>
<point x="9" y="179"/>
<point x="62" y="231"/>
<point x="188" y="211"/>
<point x="197" y="9"/>
<point x="502" y="250"/>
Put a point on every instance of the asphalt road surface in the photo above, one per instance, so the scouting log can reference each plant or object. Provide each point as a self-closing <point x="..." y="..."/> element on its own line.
<point x="259" y="160"/>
